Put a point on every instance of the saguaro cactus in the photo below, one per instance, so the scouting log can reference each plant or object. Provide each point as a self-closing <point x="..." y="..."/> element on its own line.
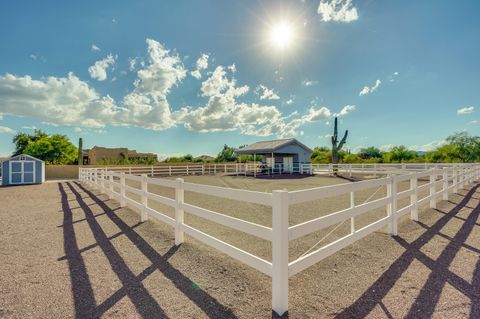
<point x="337" y="146"/>
<point x="80" y="151"/>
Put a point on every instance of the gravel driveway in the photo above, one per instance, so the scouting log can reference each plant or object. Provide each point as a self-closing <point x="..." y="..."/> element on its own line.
<point x="68" y="251"/>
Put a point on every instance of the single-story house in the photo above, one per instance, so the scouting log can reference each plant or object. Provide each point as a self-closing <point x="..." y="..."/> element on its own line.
<point x="285" y="155"/>
<point x="23" y="169"/>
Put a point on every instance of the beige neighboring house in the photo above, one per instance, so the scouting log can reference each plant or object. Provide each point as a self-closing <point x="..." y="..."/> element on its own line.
<point x="98" y="154"/>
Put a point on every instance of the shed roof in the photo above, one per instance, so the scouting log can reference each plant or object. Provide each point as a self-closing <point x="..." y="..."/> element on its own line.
<point x="16" y="157"/>
<point x="269" y="146"/>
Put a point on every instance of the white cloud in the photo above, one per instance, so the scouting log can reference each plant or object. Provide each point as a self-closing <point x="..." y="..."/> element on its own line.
<point x="265" y="93"/>
<point x="98" y="71"/>
<point x="428" y="147"/>
<point x="309" y="82"/>
<point x="33" y="127"/>
<point x="346" y="110"/>
<point x="368" y="90"/>
<point x="202" y="64"/>
<point x="132" y="64"/>
<point x="337" y="10"/>
<point x="474" y="122"/>
<point x="65" y="101"/>
<point x="6" y="130"/>
<point x="34" y="56"/>
<point x="289" y="101"/>
<point x="466" y="110"/>
<point x="95" y="48"/>
<point x="71" y="101"/>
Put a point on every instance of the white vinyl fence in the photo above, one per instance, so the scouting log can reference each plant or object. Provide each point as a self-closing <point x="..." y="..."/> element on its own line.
<point x="442" y="181"/>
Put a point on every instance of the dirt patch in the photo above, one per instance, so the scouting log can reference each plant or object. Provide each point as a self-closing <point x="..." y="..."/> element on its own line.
<point x="68" y="251"/>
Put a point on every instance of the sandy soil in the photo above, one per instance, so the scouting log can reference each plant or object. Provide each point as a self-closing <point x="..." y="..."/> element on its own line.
<point x="68" y="251"/>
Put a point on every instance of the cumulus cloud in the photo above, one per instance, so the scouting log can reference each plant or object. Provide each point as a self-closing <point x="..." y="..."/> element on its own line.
<point x="6" y="130"/>
<point x="368" y="90"/>
<point x="65" y="101"/>
<point x="429" y="146"/>
<point x="466" y="110"/>
<point x="265" y="93"/>
<point x="98" y="71"/>
<point x="337" y="10"/>
<point x="95" y="48"/>
<point x="71" y="101"/>
<point x="289" y="101"/>
<point x="225" y="112"/>
<point x="202" y="64"/>
<point x="346" y="110"/>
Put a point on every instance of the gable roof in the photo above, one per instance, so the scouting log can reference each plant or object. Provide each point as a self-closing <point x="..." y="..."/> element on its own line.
<point x="269" y="146"/>
<point x="16" y="157"/>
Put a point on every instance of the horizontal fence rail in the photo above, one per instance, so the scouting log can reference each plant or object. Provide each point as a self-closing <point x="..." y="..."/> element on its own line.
<point x="439" y="180"/>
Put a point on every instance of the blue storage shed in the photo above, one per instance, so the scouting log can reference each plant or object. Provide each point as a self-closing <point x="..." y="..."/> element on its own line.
<point x="23" y="169"/>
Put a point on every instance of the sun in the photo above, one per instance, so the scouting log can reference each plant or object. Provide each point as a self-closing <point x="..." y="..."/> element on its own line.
<point x="282" y="34"/>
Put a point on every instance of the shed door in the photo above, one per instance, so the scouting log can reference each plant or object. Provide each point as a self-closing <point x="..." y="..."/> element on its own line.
<point x="22" y="172"/>
<point x="288" y="164"/>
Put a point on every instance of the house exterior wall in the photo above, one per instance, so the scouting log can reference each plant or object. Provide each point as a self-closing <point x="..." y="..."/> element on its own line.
<point x="300" y="155"/>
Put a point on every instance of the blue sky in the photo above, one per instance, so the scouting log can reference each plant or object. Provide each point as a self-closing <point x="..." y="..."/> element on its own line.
<point x="176" y="77"/>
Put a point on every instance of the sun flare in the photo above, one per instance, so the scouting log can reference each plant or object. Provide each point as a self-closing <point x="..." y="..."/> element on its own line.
<point x="282" y="34"/>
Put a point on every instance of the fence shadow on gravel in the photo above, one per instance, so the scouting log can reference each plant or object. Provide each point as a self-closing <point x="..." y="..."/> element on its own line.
<point x="132" y="285"/>
<point x="429" y="295"/>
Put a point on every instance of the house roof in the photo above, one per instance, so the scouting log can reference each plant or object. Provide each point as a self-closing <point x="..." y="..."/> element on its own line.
<point x="269" y="146"/>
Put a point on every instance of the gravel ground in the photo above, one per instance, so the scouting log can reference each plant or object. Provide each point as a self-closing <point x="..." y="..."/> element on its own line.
<point x="68" y="251"/>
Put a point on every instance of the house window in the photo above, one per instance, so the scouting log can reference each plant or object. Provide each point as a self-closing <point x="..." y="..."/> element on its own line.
<point x="22" y="157"/>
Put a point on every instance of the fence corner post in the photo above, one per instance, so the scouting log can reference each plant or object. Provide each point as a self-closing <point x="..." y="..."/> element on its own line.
<point x="179" y="214"/>
<point x="392" y="207"/>
<point x="144" y="215"/>
<point x="280" y="251"/>
<point x="414" y="197"/>
<point x="122" y="189"/>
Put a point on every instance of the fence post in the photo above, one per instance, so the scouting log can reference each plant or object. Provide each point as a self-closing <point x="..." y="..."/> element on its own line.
<point x="392" y="207"/>
<point x="350" y="170"/>
<point x="280" y="251"/>
<point x="203" y="169"/>
<point x="445" y="184"/>
<point x="352" y="219"/>
<point x="433" y="178"/>
<point x="122" y="190"/>
<point x="225" y="168"/>
<point x="152" y="171"/>
<point x="102" y="181"/>
<point x="187" y="169"/>
<point x="179" y="198"/>
<point x="110" y="186"/>
<point x="375" y="170"/>
<point x="144" y="215"/>
<point x="455" y="180"/>
<point x="414" y="197"/>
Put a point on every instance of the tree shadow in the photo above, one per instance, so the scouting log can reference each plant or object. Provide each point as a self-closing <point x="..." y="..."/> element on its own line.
<point x="209" y="305"/>
<point x="429" y="295"/>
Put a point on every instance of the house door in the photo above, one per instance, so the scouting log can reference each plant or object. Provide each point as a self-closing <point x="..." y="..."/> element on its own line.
<point x="288" y="164"/>
<point x="22" y="172"/>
